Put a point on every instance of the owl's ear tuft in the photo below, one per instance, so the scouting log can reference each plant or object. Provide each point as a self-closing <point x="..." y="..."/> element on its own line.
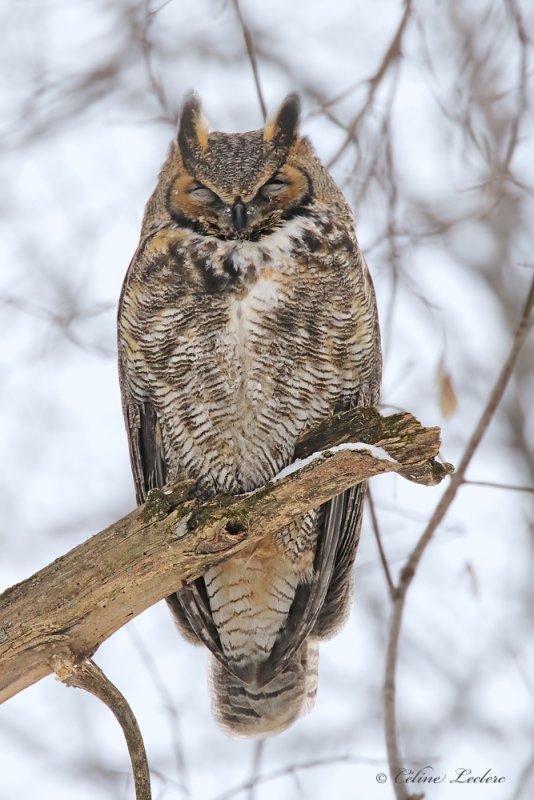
<point x="283" y="129"/>
<point x="193" y="131"/>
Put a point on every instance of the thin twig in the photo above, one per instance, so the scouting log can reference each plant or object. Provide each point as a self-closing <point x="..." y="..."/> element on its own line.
<point x="249" y="44"/>
<point x="86" y="675"/>
<point x="259" y="748"/>
<point x="524" y="779"/>
<point x="167" y="699"/>
<point x="523" y="90"/>
<point x="383" y="140"/>
<point x="147" y="50"/>
<point x="383" y="559"/>
<point x="390" y="57"/>
<point x="292" y="769"/>
<point x="510" y="487"/>
<point x="408" y="571"/>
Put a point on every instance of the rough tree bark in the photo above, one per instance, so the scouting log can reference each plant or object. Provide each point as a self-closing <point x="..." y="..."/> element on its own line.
<point x="68" y="608"/>
<point x="55" y="620"/>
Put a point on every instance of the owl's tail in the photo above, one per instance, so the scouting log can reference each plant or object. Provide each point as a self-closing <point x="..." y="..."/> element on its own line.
<point x="246" y="711"/>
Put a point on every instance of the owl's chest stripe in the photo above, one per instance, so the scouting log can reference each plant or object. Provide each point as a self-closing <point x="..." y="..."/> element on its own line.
<point x="248" y="312"/>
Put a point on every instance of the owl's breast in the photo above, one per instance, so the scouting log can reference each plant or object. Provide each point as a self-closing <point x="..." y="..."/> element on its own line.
<point x="249" y="337"/>
<point x="243" y="381"/>
<point x="250" y="344"/>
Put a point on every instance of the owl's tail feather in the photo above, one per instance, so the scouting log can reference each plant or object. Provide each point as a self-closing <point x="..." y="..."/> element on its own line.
<point x="244" y="710"/>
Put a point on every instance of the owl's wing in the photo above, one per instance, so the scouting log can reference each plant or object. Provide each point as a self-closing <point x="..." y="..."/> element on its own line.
<point x="309" y="598"/>
<point x="146" y="450"/>
<point x="189" y="607"/>
<point x="335" y="606"/>
<point x="318" y="607"/>
<point x="191" y="603"/>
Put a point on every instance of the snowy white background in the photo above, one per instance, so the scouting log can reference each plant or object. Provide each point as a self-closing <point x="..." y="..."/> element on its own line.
<point x="440" y="174"/>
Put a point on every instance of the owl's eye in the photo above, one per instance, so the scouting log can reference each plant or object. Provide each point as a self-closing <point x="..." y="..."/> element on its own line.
<point x="203" y="194"/>
<point x="273" y="187"/>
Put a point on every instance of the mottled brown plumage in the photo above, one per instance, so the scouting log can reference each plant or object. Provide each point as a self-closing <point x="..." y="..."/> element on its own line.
<point x="247" y="316"/>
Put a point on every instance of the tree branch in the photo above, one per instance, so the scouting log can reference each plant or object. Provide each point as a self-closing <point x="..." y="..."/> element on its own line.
<point x="86" y="675"/>
<point x="376" y="530"/>
<point x="391" y="56"/>
<point x="251" y="53"/>
<point x="408" y="571"/>
<point x="509" y="487"/>
<point x="71" y="606"/>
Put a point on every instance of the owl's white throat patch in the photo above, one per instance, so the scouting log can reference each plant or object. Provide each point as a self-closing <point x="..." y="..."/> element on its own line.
<point x="273" y="252"/>
<point x="260" y="271"/>
<point x="261" y="265"/>
<point x="244" y="310"/>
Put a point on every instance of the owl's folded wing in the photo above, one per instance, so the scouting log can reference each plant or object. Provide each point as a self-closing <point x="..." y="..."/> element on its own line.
<point x="146" y="451"/>
<point x="318" y="607"/>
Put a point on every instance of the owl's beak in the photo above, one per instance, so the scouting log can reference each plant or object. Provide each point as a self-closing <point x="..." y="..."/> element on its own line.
<point x="239" y="214"/>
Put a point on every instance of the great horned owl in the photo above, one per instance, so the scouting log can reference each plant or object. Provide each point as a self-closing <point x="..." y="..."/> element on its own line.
<point x="246" y="317"/>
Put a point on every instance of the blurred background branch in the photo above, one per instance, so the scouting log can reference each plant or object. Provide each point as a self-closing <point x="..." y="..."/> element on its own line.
<point x="409" y="570"/>
<point x="427" y="111"/>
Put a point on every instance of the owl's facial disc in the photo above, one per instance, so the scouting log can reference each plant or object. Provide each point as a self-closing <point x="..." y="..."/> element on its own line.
<point x="256" y="212"/>
<point x="242" y="185"/>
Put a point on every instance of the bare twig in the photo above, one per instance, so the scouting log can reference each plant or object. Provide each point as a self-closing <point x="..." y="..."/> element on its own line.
<point x="391" y="234"/>
<point x="383" y="559"/>
<point x="409" y="569"/>
<point x="259" y="748"/>
<point x="147" y="49"/>
<point x="391" y="55"/>
<point x="507" y="486"/>
<point x="169" y="704"/>
<point x="524" y="780"/>
<point x="523" y="90"/>
<point x="292" y="769"/>
<point x="86" y="675"/>
<point x="249" y="44"/>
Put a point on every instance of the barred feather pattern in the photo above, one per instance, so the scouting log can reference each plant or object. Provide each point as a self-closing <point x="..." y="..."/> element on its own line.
<point x="241" y="345"/>
<point x="237" y="374"/>
<point x="250" y="712"/>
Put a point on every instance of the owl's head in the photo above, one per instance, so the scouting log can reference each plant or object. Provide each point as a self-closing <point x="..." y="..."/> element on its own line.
<point x="237" y="185"/>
